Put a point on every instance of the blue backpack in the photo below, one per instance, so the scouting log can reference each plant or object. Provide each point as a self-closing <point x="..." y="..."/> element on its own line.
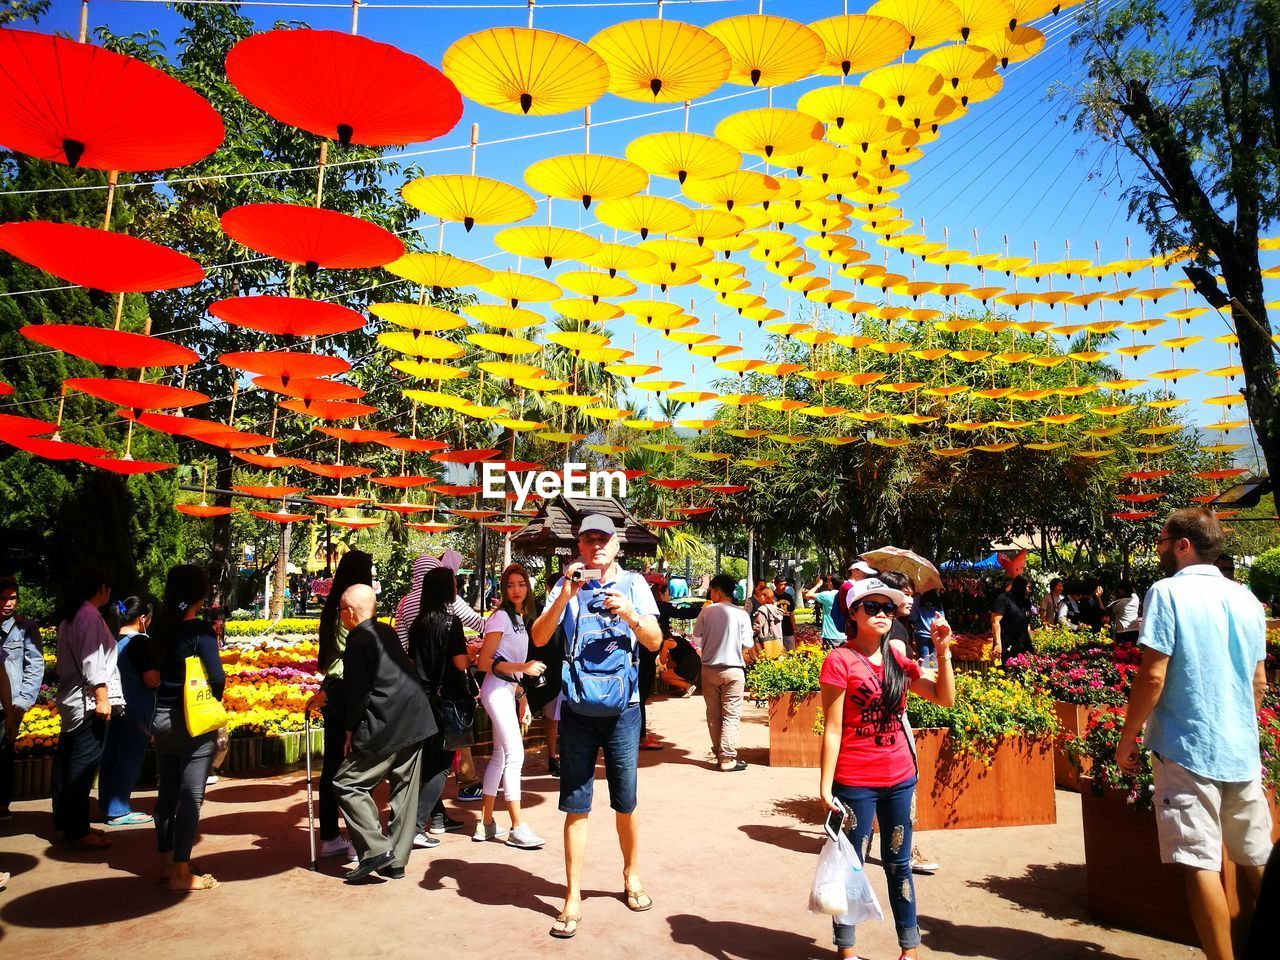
<point x="599" y="672"/>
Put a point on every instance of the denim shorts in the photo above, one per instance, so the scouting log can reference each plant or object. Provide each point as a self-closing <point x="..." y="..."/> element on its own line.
<point x="581" y="739"/>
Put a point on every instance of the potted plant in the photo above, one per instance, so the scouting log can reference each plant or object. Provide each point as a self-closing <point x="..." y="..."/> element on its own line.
<point x="789" y="685"/>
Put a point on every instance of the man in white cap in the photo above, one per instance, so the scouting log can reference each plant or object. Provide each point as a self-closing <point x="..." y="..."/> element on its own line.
<point x="858" y="570"/>
<point x="605" y="611"/>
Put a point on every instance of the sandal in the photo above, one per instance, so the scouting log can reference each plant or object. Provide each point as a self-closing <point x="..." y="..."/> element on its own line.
<point x="130" y="819"/>
<point x="204" y="881"/>
<point x="90" y="841"/>
<point x="638" y="901"/>
<point x="567" y="927"/>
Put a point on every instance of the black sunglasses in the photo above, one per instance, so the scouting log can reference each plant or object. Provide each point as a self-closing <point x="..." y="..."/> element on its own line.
<point x="875" y="608"/>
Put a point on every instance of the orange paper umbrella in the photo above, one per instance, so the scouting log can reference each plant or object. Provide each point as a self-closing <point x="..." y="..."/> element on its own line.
<point x="204" y="510"/>
<point x="403" y="508"/>
<point x="287" y="316"/>
<point x="281" y="517"/>
<point x="505" y="527"/>
<point x="463" y="456"/>
<point x="457" y="490"/>
<point x="727" y="489"/>
<point x="344" y="87"/>
<point x="672" y="483"/>
<point x="127" y="466"/>
<point x="329" y="409"/>
<point x="354" y="523"/>
<point x="311" y="235"/>
<point x="285" y="364"/>
<point x="310" y="388"/>
<point x="110" y="348"/>
<point x="336" y="471"/>
<point x="266" y="492"/>
<point x="413" y="444"/>
<point x="98" y="259"/>
<point x="339" y="502"/>
<point x="24" y="426"/>
<point x="79" y="104"/>
<point x="404" y="482"/>
<point x="475" y="514"/>
<point x="53" y="449"/>
<point x="135" y="394"/>
<point x="357" y="434"/>
<point x="663" y="524"/>
<point x="269" y="461"/>
<point x="431" y="527"/>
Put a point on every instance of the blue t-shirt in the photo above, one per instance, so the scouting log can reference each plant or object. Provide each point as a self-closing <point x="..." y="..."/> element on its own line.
<point x="824" y="601"/>
<point x="591" y="592"/>
<point x="1214" y="633"/>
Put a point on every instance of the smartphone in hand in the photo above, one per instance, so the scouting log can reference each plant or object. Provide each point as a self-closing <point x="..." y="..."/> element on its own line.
<point x="835" y="820"/>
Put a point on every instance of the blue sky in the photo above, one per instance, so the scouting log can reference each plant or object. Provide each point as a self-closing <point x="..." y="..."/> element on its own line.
<point x="1009" y="168"/>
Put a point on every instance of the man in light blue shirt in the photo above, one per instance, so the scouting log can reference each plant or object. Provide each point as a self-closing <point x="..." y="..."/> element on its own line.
<point x="1198" y="692"/>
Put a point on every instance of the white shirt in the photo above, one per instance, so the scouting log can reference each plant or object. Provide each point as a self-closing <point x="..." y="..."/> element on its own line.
<point x="514" y="645"/>
<point x="1124" y="612"/>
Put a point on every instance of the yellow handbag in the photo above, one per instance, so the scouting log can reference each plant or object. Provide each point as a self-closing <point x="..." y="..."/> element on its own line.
<point x="771" y="649"/>
<point x="204" y="713"/>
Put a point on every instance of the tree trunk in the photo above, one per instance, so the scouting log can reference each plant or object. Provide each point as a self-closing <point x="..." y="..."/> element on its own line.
<point x="282" y="572"/>
<point x="1243" y="275"/>
<point x="222" y="565"/>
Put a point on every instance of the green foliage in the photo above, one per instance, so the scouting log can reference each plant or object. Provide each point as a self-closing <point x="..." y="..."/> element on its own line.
<point x="988" y="708"/>
<point x="1264" y="575"/>
<point x="794" y="672"/>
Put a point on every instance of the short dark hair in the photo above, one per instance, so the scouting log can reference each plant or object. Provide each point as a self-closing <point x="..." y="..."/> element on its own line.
<point x="1199" y="527"/>
<point x="1056" y="582"/>
<point x="8" y="583"/>
<point x="1225" y="562"/>
<point x="899" y="581"/>
<point x="724" y="583"/>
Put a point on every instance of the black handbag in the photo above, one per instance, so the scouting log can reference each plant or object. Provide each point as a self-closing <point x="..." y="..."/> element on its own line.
<point x="458" y="713"/>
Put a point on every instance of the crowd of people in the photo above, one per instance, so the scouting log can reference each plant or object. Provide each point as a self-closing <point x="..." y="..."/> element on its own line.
<point x="399" y="705"/>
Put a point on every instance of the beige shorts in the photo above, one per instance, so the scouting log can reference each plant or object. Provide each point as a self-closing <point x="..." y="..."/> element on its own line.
<point x="1196" y="818"/>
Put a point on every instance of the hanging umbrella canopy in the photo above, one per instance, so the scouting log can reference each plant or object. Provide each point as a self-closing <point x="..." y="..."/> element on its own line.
<point x="268" y="461"/>
<point x="586" y="177"/>
<point x="929" y="22"/>
<point x="506" y="346"/>
<point x="959" y="63"/>
<point x="517" y="287"/>
<point x="281" y="516"/>
<point x="423" y="347"/>
<point x="587" y="311"/>
<point x="468" y="199"/>
<point x="707" y="225"/>
<point x="285" y="364"/>
<point x="203" y="510"/>
<point x="79" y="104"/>
<point x="266" y="491"/>
<point x="98" y="259"/>
<point x="287" y="316"/>
<point x="53" y="449"/>
<point x="522" y="70"/>
<point x="25" y="426"/>
<point x="502" y="317"/>
<point x="547" y="244"/>
<point x="344" y="87"/>
<point x="683" y="156"/>
<point x="618" y="256"/>
<point x="357" y="434"/>
<point x="741" y="188"/>
<point x="661" y="61"/>
<point x="312" y="236"/>
<point x="903" y="81"/>
<point x="439" y="271"/>
<point x="769" y="130"/>
<point x="981" y="17"/>
<point x="855" y="44"/>
<point x="1011" y="46"/>
<point x="589" y="283"/>
<point x="136" y="394"/>
<point x="117" y="349"/>
<point x="329" y="409"/>
<point x="421" y="317"/>
<point x="309" y="388"/>
<point x="644" y="215"/>
<point x="768" y="51"/>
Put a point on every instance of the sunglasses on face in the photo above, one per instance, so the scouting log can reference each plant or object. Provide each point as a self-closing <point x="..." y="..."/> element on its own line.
<point x="875" y="608"/>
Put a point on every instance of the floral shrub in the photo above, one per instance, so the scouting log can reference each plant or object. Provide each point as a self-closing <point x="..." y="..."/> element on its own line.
<point x="1098" y="745"/>
<point x="795" y="672"/>
<point x="1096" y="675"/>
<point x="988" y="708"/>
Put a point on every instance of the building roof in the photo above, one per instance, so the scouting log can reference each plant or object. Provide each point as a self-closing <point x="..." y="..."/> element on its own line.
<point x="554" y="529"/>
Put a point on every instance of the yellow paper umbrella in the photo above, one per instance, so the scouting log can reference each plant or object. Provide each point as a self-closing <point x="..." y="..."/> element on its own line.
<point x="508" y="346"/>
<point x="715" y="350"/>
<point x="516" y="287"/>
<point x="969" y="92"/>
<point x="838" y="104"/>
<point x="904" y="81"/>
<point x="690" y="338"/>
<point x="589" y="283"/>
<point x="644" y="215"/>
<point x="981" y="17"/>
<point x="439" y="270"/>
<point x="768" y="130"/>
<point x="1011" y="46"/>
<point x="929" y="22"/>
<point x="707" y="225"/>
<point x="650" y="309"/>
<point x="430" y="370"/>
<point x="546" y="243"/>
<point x="683" y="156"/>
<point x="420" y="317"/>
<point x="576" y="341"/>
<point x="664" y="275"/>
<point x="518" y="70"/>
<point x="605" y="355"/>
<point x="606" y="413"/>
<point x="511" y="370"/>
<point x="632" y="370"/>
<point x="855" y="44"/>
<point x="1024" y="11"/>
<point x="675" y="321"/>
<point x="743" y="188"/>
<point x="768" y="51"/>
<point x="540" y="384"/>
<point x="469" y="199"/>
<point x="661" y="61"/>
<point x="503" y="317"/>
<point x="586" y="177"/>
<point x="959" y="62"/>
<point x="587" y="311"/>
<point x="420" y="345"/>
<point x="676" y="253"/>
<point x="658" y="386"/>
<point x="434" y="398"/>
<point x="865" y="130"/>
<point x="574" y="438"/>
<point x="618" y="256"/>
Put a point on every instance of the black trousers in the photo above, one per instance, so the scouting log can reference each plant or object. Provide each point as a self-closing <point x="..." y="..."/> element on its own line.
<point x="335" y="741"/>
<point x="436" y="762"/>
<point x="76" y="763"/>
<point x="648" y="674"/>
<point x="183" y="763"/>
<point x="6" y="770"/>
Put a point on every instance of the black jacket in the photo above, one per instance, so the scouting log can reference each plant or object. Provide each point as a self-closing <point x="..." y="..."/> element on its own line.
<point x="387" y="709"/>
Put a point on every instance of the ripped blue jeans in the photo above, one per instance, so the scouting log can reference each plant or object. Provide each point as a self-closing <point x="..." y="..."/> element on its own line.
<point x="891" y="808"/>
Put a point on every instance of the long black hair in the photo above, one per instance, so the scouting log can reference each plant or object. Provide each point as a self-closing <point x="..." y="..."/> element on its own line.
<point x="893" y="687"/>
<point x="355" y="567"/>
<point x="132" y="609"/>
<point x="428" y="634"/>
<point x="82" y="586"/>
<point x="184" y="587"/>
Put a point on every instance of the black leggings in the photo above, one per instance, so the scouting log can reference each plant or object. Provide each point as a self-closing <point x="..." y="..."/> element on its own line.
<point x="436" y="762"/>
<point x="335" y="742"/>
<point x="183" y="762"/>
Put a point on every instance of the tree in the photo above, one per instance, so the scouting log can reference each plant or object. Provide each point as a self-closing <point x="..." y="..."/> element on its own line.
<point x="1199" y="110"/>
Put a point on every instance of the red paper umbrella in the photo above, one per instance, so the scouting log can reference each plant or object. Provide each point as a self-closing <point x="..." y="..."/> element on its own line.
<point x="633" y="474"/>
<point x="356" y="435"/>
<point x="137" y="395"/>
<point x="281" y="517"/>
<point x="229" y="439"/>
<point x="458" y="491"/>
<point x="336" y="471"/>
<point x="310" y="388"/>
<point x="1204" y="498"/>
<point x="344" y="87"/>
<point x="329" y="409"/>
<point x="403" y="508"/>
<point x="663" y="524"/>
<point x="339" y="502"/>
<point x="269" y="461"/>
<point x="285" y="364"/>
<point x="431" y="527"/>
<point x="85" y="106"/>
<point x="1220" y="474"/>
<point x="728" y="489"/>
<point x="204" y="510"/>
<point x="266" y="492"/>
<point x="176" y="424"/>
<point x="1135" y="515"/>
<point x="99" y="259"/>
<point x="672" y="484"/>
<point x="287" y="316"/>
<point x="1147" y="474"/>
<point x="110" y="348"/>
<point x="1139" y="497"/>
<point x="24" y="426"/>
<point x="353" y="523"/>
<point x="5" y="389"/>
<point x="413" y="444"/>
<point x="128" y="466"/>
<point x="516" y="466"/>
<point x="463" y="456"/>
<point x="312" y="236"/>
<point x="476" y="514"/>
<point x="505" y="527"/>
<point x="402" y="483"/>
<point x="695" y="511"/>
<point x="54" y="449"/>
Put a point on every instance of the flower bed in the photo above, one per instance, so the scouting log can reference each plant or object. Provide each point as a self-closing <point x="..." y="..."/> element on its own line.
<point x="270" y="628"/>
<point x="1011" y="787"/>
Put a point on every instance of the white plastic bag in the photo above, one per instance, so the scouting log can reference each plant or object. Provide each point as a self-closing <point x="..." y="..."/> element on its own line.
<point x="840" y="887"/>
<point x="863" y="904"/>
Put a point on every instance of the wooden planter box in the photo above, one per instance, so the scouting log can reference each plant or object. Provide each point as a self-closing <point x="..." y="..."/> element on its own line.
<point x="792" y="740"/>
<point x="1128" y="886"/>
<point x="953" y="792"/>
<point x="1073" y="719"/>
<point x="243" y="754"/>
<point x="33" y="778"/>
<point x="287" y="749"/>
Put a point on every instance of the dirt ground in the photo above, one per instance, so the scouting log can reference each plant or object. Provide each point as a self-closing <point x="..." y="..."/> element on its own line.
<point x="727" y="859"/>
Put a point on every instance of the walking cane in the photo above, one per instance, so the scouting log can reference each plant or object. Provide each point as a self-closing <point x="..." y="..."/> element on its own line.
<point x="311" y="810"/>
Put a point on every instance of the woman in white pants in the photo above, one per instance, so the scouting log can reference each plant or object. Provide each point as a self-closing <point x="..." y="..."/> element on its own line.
<point x="504" y="659"/>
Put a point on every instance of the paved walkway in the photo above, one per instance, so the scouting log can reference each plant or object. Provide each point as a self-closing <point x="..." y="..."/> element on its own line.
<point x="726" y="858"/>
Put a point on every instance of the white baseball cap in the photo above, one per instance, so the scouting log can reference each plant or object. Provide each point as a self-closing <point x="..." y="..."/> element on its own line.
<point x="863" y="567"/>
<point x="597" y="521"/>
<point x="859" y="589"/>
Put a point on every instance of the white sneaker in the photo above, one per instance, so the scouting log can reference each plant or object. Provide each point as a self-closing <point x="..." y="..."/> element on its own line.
<point x="339" y="846"/>
<point x="524" y="838"/>
<point x="489" y="831"/>
<point x="211" y="779"/>
<point x="422" y="841"/>
<point x="922" y="864"/>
